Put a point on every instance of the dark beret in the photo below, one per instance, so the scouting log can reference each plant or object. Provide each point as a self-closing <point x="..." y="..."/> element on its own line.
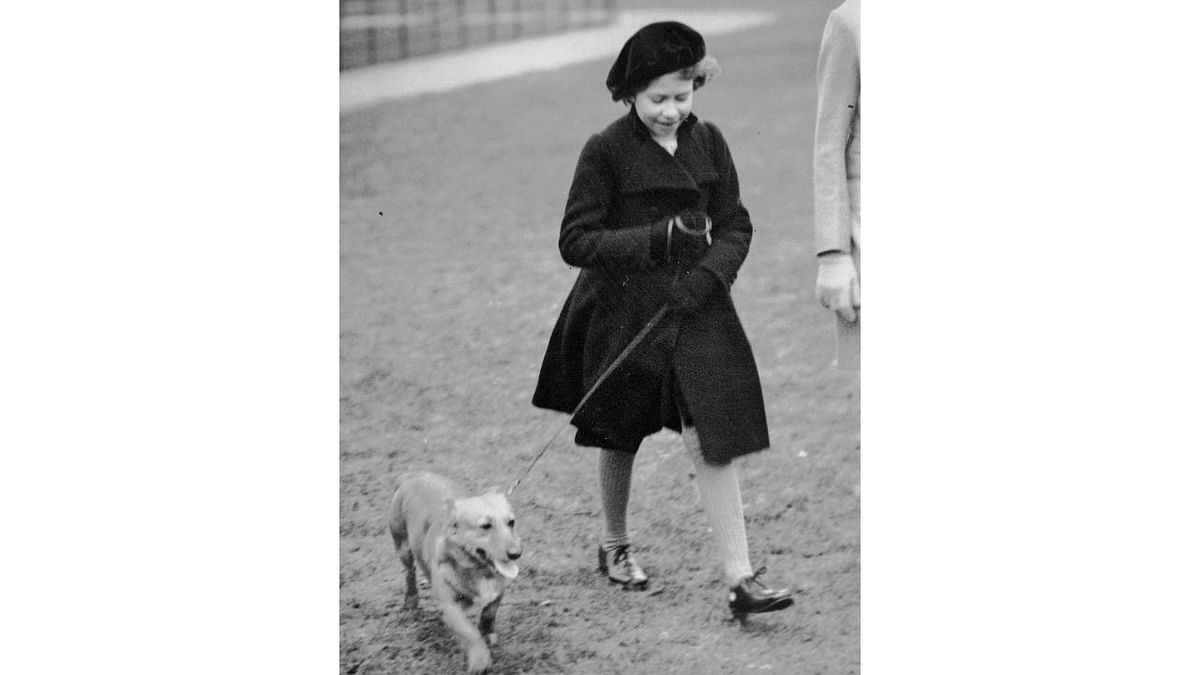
<point x="653" y="51"/>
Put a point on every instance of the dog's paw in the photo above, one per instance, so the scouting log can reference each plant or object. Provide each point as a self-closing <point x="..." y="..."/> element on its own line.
<point x="492" y="639"/>
<point x="479" y="659"/>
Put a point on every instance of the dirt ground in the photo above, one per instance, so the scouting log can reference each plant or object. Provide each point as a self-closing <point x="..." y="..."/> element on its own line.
<point x="450" y="284"/>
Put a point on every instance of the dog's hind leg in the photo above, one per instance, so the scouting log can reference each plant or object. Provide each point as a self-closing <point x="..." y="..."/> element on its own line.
<point x="405" y="551"/>
<point x="487" y="621"/>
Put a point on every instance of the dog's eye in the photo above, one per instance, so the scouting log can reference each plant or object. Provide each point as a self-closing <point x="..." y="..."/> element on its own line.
<point x="485" y="526"/>
<point x="512" y="523"/>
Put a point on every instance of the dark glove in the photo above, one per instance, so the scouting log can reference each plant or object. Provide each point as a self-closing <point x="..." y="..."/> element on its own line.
<point x="683" y="238"/>
<point x="692" y="287"/>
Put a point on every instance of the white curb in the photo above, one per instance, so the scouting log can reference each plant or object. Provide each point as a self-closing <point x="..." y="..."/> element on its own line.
<point x="444" y="72"/>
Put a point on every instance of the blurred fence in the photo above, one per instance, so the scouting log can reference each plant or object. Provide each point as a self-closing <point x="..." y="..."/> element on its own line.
<point x="376" y="31"/>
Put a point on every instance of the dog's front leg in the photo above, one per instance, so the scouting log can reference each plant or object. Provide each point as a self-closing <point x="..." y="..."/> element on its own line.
<point x="487" y="620"/>
<point x="479" y="656"/>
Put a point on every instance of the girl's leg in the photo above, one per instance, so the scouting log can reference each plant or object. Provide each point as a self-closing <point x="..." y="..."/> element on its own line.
<point x="616" y="473"/>
<point x="721" y="497"/>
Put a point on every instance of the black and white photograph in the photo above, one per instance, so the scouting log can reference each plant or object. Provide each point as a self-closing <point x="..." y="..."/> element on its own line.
<point x="526" y="337"/>
<point x="585" y="301"/>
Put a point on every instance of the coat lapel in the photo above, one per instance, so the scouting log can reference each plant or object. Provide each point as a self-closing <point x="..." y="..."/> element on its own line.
<point x="647" y="166"/>
<point x="693" y="155"/>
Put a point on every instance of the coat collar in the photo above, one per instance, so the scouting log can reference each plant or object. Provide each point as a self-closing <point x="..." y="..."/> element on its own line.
<point x="648" y="166"/>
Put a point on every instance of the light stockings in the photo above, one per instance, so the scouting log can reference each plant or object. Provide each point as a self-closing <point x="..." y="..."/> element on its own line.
<point x="616" y="472"/>
<point x="721" y="497"/>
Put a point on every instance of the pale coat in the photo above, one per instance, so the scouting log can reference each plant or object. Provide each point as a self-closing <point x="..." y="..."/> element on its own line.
<point x="836" y="155"/>
<point x="836" y="164"/>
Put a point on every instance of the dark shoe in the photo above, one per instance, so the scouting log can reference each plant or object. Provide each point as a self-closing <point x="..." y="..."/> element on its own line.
<point x="752" y="596"/>
<point x="621" y="568"/>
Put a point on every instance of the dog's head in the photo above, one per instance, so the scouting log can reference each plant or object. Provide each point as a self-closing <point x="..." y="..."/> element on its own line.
<point x="485" y="526"/>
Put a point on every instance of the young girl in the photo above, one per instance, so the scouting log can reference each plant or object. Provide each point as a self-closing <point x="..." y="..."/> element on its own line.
<point x="654" y="219"/>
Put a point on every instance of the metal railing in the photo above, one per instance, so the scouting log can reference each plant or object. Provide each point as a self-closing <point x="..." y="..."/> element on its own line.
<point x="378" y="31"/>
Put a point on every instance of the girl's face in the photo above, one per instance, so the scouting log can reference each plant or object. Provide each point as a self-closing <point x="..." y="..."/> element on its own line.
<point x="664" y="104"/>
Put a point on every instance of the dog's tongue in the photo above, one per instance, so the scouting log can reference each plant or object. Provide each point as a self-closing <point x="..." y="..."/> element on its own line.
<point x="507" y="569"/>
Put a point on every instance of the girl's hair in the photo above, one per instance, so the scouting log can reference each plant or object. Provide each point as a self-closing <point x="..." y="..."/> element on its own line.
<point x="701" y="73"/>
<point x="705" y="71"/>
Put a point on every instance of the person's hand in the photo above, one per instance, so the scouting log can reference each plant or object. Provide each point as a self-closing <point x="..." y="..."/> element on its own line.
<point x="683" y="238"/>
<point x="692" y="288"/>
<point x="837" y="284"/>
<point x="692" y="235"/>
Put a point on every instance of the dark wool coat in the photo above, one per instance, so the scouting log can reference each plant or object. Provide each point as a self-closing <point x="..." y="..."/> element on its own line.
<point x="625" y="181"/>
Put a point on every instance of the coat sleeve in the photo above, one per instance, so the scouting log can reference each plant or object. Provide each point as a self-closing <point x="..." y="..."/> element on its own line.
<point x="586" y="239"/>
<point x="732" y="229"/>
<point x="837" y="103"/>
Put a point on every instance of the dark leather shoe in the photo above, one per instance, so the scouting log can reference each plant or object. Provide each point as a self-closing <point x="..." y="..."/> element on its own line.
<point x="752" y="596"/>
<point x="621" y="568"/>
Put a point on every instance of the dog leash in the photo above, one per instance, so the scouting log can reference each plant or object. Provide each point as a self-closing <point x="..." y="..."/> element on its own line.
<point x="637" y="339"/>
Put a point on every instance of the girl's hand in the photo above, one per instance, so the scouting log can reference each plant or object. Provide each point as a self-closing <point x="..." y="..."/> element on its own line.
<point x="682" y="239"/>
<point x="837" y="284"/>
<point x="692" y="288"/>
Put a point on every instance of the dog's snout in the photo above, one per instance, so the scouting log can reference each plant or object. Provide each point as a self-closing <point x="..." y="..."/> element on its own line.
<point x="513" y="555"/>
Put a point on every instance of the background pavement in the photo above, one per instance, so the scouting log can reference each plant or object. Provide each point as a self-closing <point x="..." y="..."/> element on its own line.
<point x="454" y="69"/>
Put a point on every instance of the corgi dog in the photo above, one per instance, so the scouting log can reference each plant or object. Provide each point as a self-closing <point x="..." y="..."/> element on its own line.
<point x="465" y="546"/>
